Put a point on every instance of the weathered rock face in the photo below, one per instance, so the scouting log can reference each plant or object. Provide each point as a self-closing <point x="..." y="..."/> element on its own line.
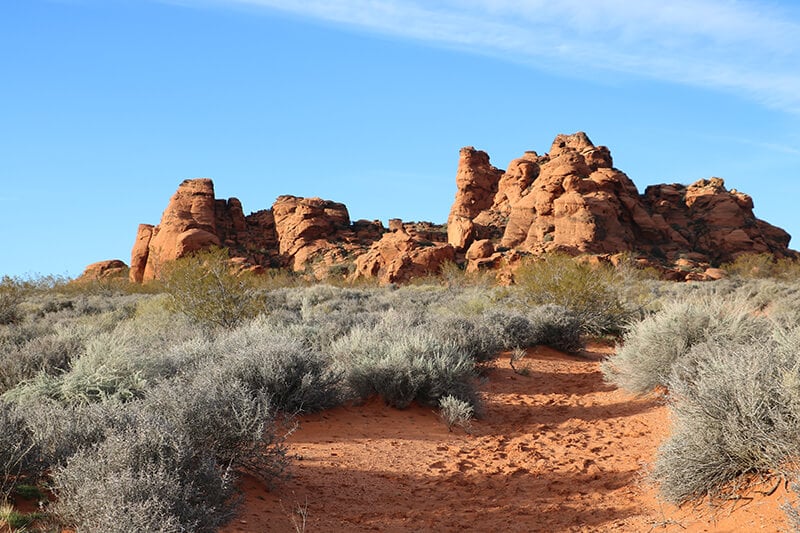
<point x="573" y="200"/>
<point x="712" y="221"/>
<point x="187" y="225"/>
<point x="308" y="235"/>
<point x="477" y="182"/>
<point x="102" y="270"/>
<point x="307" y="226"/>
<point x="400" y="256"/>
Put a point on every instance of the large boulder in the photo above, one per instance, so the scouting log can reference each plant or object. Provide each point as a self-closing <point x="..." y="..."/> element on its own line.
<point x="104" y="270"/>
<point x="399" y="256"/>
<point x="188" y="224"/>
<point x="713" y="221"/>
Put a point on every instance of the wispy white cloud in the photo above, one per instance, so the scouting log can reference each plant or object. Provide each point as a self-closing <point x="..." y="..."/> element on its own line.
<point x="751" y="48"/>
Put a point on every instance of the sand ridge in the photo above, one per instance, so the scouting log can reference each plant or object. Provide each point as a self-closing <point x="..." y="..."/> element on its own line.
<point x="557" y="450"/>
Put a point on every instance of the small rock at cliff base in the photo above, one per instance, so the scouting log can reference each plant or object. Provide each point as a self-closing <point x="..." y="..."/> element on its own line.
<point x="104" y="270"/>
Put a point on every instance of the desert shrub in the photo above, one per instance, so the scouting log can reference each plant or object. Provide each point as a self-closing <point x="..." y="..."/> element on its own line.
<point x="404" y="363"/>
<point x="50" y="354"/>
<point x="116" y="365"/>
<point x="14" y="291"/>
<point x="225" y="418"/>
<point x="761" y="266"/>
<point x="17" y="449"/>
<point x="791" y="507"/>
<point x="147" y="476"/>
<point x="296" y="377"/>
<point x="596" y="294"/>
<point x="649" y="350"/>
<point x="204" y="287"/>
<point x="549" y="325"/>
<point x="11" y="294"/>
<point x="59" y="431"/>
<point x="455" y="412"/>
<point x="736" y="409"/>
<point x="472" y="337"/>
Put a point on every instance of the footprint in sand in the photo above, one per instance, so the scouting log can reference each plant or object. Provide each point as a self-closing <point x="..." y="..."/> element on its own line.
<point x="438" y="465"/>
<point x="465" y="466"/>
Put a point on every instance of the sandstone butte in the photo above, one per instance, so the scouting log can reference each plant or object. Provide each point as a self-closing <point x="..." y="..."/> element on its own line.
<point x="570" y="200"/>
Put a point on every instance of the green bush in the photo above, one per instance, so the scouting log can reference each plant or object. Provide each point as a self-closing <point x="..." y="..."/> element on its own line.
<point x="761" y="266"/>
<point x="601" y="298"/>
<point x="204" y="287"/>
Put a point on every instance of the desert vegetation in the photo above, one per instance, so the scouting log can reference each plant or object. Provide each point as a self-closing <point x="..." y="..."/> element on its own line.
<point x="725" y="356"/>
<point x="139" y="409"/>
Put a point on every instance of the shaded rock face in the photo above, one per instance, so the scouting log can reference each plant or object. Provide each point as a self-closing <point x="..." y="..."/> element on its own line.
<point x="573" y="200"/>
<point x="713" y="221"/>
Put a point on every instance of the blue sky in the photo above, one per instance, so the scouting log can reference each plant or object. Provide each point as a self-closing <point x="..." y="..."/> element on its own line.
<point x="107" y="105"/>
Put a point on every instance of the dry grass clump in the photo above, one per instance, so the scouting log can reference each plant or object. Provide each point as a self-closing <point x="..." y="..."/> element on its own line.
<point x="645" y="359"/>
<point x="736" y="410"/>
<point x="730" y="368"/>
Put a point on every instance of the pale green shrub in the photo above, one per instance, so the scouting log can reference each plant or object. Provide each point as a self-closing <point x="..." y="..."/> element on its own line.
<point x="204" y="287"/>
<point x="455" y="412"/>
<point x="651" y="347"/>
<point x="736" y="410"/>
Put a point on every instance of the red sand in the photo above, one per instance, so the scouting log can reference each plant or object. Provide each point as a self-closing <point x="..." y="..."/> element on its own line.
<point x="558" y="450"/>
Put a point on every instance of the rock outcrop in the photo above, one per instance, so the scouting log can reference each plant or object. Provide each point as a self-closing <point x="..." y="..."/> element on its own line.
<point x="574" y="201"/>
<point x="187" y="225"/>
<point x="401" y="255"/>
<point x="571" y="200"/>
<point x="476" y="182"/>
<point x="103" y="270"/>
<point x="307" y="235"/>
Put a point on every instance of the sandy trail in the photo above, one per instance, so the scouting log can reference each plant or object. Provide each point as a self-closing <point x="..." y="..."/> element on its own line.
<point x="557" y="450"/>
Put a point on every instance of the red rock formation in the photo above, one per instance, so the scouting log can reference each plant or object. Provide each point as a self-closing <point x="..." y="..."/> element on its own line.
<point x="574" y="200"/>
<point x="306" y="227"/>
<point x="112" y="268"/>
<point x="712" y="221"/>
<point x="399" y="257"/>
<point x="188" y="224"/>
<point x="571" y="199"/>
<point x="477" y="181"/>
<point x="304" y="234"/>
<point x="140" y="252"/>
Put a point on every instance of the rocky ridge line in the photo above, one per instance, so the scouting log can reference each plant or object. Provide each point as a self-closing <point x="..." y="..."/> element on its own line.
<point x="570" y="200"/>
